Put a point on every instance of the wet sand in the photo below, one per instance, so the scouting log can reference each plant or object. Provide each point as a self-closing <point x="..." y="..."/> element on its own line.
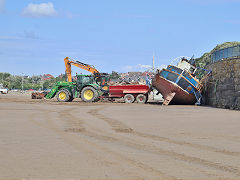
<point x="45" y="139"/>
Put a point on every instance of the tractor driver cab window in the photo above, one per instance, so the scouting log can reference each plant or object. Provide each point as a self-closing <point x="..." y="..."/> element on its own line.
<point x="86" y="80"/>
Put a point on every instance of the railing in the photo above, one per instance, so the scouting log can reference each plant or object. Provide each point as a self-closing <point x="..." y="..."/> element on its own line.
<point x="225" y="53"/>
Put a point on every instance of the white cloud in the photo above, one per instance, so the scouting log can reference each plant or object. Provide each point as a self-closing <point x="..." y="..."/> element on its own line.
<point x="149" y="67"/>
<point x="144" y="67"/>
<point x="161" y="66"/>
<point x="141" y="68"/>
<point x="128" y="68"/>
<point x="39" y="10"/>
<point x="2" y="5"/>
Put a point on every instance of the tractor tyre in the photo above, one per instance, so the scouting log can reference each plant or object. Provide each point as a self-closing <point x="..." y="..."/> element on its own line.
<point x="129" y="98"/>
<point x="70" y="95"/>
<point x="141" y="98"/>
<point x="70" y="99"/>
<point x="89" y="94"/>
<point x="63" y="95"/>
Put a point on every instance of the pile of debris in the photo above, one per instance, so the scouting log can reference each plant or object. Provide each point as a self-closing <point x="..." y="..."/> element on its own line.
<point x="140" y="78"/>
<point x="39" y="95"/>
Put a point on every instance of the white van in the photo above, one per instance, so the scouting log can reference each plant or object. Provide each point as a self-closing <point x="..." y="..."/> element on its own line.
<point x="3" y="90"/>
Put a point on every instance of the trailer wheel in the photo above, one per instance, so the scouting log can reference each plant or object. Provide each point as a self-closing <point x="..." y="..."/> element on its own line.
<point x="63" y="95"/>
<point x="141" y="98"/>
<point x="129" y="98"/>
<point x="89" y="94"/>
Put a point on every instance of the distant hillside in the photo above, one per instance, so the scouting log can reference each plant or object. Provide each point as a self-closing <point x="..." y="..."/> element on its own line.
<point x="205" y="59"/>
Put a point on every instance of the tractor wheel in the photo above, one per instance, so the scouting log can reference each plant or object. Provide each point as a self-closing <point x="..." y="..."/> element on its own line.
<point x="63" y="95"/>
<point x="89" y="94"/>
<point x="70" y="99"/>
<point x="70" y="95"/>
<point x="129" y="98"/>
<point x="141" y="98"/>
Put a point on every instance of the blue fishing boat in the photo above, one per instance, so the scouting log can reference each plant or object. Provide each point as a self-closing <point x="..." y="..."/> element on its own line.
<point x="178" y="84"/>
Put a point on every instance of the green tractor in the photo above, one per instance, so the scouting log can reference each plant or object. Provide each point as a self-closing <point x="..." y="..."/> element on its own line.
<point x="87" y="87"/>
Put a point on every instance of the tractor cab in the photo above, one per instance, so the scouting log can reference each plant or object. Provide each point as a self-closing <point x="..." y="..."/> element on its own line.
<point x="84" y="80"/>
<point x="102" y="79"/>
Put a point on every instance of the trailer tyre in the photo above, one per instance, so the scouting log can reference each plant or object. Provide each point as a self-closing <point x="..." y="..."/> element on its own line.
<point x="63" y="95"/>
<point x="141" y="98"/>
<point x="129" y="98"/>
<point x="89" y="94"/>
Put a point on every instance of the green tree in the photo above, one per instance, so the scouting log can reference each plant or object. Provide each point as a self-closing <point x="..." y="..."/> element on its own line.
<point x="205" y="59"/>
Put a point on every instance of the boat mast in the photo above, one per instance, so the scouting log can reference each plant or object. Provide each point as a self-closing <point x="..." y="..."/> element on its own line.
<point x="153" y="64"/>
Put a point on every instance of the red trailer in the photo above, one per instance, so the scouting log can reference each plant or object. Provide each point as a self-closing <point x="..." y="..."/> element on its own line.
<point x="130" y="93"/>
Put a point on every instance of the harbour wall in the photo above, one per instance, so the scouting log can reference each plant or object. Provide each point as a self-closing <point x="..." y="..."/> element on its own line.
<point x="222" y="88"/>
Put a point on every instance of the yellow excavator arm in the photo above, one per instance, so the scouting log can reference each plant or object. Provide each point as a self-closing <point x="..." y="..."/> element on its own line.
<point x="81" y="65"/>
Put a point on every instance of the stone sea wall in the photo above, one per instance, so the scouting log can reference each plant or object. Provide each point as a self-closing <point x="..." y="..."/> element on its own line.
<point x="222" y="88"/>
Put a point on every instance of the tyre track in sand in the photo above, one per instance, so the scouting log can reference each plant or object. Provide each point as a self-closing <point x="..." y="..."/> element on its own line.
<point x="101" y="135"/>
<point x="52" y="127"/>
<point x="71" y="123"/>
<point x="118" y="126"/>
<point x="70" y="120"/>
<point x="113" y="140"/>
<point x="74" y="141"/>
<point x="75" y="126"/>
<point x="121" y="127"/>
<point x="78" y="142"/>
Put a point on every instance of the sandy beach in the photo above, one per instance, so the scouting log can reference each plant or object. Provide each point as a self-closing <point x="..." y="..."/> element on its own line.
<point x="45" y="139"/>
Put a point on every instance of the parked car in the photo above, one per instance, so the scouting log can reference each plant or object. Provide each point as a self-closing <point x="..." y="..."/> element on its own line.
<point x="3" y="90"/>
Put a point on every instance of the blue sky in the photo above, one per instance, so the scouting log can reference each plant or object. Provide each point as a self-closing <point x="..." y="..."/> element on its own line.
<point x="36" y="35"/>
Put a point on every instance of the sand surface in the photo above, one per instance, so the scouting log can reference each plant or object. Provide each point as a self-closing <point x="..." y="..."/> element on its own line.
<point x="44" y="139"/>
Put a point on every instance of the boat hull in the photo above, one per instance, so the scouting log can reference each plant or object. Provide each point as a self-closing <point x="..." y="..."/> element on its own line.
<point x="171" y="90"/>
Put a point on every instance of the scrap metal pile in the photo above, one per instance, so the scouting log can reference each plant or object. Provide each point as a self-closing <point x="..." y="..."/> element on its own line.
<point x="138" y="78"/>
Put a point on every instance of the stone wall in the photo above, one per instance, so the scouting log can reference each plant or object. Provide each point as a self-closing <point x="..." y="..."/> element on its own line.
<point x="222" y="88"/>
